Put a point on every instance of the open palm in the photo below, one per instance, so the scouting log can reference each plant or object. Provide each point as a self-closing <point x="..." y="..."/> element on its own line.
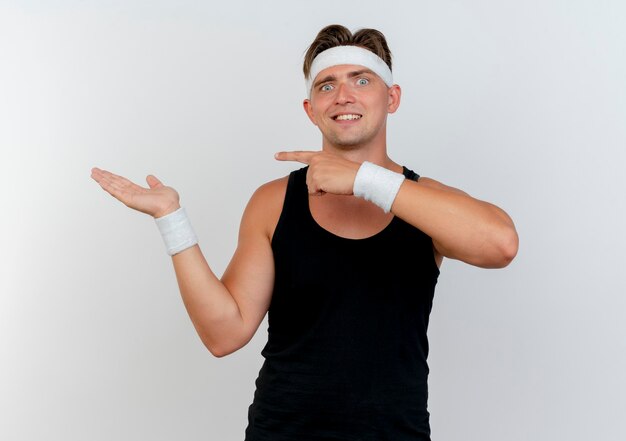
<point x="157" y="200"/>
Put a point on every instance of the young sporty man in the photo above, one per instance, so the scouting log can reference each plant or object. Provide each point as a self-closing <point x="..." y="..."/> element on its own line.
<point x="343" y="254"/>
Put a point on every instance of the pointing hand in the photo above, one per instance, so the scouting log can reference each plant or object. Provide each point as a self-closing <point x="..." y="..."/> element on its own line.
<point x="327" y="173"/>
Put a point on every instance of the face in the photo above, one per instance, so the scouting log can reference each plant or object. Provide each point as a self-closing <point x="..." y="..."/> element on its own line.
<point x="349" y="104"/>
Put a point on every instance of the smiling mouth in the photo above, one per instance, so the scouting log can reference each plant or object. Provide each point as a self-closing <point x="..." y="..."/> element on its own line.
<point x="347" y="117"/>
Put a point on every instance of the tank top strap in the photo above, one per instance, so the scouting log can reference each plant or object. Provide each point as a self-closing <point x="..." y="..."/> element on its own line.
<point x="296" y="198"/>
<point x="295" y="204"/>
<point x="410" y="174"/>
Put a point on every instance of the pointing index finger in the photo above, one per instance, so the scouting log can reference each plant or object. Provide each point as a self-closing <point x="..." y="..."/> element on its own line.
<point x="299" y="156"/>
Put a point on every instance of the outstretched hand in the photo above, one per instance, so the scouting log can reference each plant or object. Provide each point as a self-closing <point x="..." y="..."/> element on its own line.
<point x="157" y="200"/>
<point x="327" y="173"/>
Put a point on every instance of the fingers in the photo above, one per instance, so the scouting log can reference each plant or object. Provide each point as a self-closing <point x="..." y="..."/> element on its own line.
<point x="118" y="186"/>
<point x="299" y="156"/>
<point x="103" y="175"/>
<point x="117" y="181"/>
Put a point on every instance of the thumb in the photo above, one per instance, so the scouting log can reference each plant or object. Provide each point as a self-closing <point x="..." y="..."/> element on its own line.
<point x="153" y="182"/>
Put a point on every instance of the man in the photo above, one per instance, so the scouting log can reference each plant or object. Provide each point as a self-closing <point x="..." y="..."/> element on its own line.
<point x="343" y="253"/>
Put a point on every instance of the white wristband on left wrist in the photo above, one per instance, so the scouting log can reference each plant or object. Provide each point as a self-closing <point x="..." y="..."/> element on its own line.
<point x="377" y="185"/>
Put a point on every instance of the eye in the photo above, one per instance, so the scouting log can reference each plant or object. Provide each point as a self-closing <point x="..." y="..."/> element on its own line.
<point x="326" y="88"/>
<point x="362" y="81"/>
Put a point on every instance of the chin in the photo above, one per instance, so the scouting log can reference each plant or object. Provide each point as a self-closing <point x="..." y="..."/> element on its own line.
<point x="350" y="140"/>
<point x="346" y="143"/>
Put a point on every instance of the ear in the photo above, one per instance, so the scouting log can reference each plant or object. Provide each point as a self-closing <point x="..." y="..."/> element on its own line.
<point x="308" y="108"/>
<point x="394" y="93"/>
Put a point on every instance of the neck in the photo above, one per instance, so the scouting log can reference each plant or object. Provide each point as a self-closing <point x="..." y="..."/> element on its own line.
<point x="374" y="153"/>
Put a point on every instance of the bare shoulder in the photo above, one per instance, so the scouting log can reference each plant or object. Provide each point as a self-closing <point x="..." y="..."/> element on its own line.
<point x="265" y="206"/>
<point x="431" y="183"/>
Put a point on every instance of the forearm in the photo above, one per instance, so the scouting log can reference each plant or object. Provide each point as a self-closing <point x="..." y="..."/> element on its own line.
<point x="211" y="307"/>
<point x="461" y="227"/>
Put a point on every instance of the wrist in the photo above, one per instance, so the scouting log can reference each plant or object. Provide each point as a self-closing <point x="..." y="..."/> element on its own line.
<point x="176" y="231"/>
<point x="377" y="185"/>
<point x="168" y="210"/>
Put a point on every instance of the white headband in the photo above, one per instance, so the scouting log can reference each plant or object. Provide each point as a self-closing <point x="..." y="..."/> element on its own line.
<point x="348" y="55"/>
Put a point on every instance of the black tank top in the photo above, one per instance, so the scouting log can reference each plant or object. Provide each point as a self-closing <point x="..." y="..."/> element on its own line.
<point x="347" y="346"/>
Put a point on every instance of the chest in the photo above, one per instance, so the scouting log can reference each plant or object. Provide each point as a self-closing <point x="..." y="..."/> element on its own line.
<point x="348" y="216"/>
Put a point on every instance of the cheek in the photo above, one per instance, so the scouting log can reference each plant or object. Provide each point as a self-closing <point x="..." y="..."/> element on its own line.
<point x="316" y="108"/>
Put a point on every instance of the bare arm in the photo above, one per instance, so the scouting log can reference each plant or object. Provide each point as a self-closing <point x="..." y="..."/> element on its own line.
<point x="462" y="227"/>
<point x="226" y="313"/>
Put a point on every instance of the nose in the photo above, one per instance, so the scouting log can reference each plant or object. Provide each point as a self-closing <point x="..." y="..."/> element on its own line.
<point x="344" y="94"/>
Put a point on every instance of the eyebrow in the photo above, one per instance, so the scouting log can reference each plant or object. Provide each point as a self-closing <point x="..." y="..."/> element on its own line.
<point x="352" y="74"/>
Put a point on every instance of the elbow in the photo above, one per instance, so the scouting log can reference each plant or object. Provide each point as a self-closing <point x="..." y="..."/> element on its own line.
<point x="219" y="354"/>
<point x="222" y="350"/>
<point x="500" y="251"/>
<point x="507" y="247"/>
<point x="216" y="350"/>
<point x="222" y="336"/>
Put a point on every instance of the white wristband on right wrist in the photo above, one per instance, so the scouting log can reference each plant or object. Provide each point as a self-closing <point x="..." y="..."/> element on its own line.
<point x="377" y="185"/>
<point x="177" y="232"/>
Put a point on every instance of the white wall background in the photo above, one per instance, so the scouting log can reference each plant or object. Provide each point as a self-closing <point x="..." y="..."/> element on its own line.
<point x="519" y="103"/>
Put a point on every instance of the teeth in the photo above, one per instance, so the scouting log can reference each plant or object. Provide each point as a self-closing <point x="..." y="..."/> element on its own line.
<point x="347" y="117"/>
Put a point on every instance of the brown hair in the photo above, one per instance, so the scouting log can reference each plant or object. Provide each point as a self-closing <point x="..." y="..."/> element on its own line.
<point x="337" y="35"/>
